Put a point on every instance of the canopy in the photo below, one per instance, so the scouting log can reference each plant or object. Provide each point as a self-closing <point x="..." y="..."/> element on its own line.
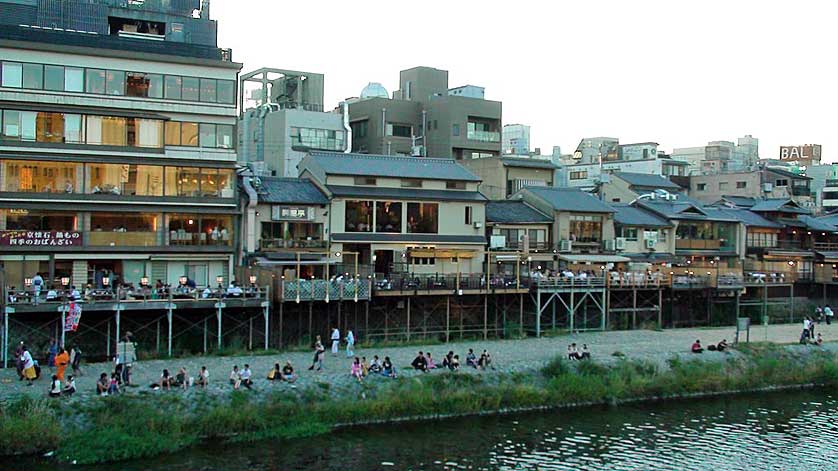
<point x="582" y="258"/>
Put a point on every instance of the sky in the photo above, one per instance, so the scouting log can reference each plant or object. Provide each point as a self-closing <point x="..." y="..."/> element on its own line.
<point x="676" y="73"/>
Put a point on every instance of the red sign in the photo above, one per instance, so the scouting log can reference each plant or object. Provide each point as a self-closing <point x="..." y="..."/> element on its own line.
<point x="40" y="238"/>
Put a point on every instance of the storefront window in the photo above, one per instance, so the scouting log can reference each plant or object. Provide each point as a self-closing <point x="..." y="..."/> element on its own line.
<point x="388" y="216"/>
<point x="37" y="220"/>
<point x="359" y="216"/>
<point x="586" y="228"/>
<point x="144" y="180"/>
<point x="423" y="218"/>
<point x="41" y="177"/>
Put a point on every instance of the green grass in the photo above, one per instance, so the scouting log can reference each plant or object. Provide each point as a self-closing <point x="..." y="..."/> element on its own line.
<point x="143" y="425"/>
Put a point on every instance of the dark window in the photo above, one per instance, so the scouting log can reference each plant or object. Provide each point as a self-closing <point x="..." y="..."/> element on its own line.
<point x="226" y="91"/>
<point x="54" y="78"/>
<point x="741" y="184"/>
<point x="358" y="216"/>
<point x="388" y="216"/>
<point x="365" y="181"/>
<point x="411" y="183"/>
<point x="359" y="129"/>
<point x="137" y="84"/>
<point x="455" y="129"/>
<point x="423" y="218"/>
<point x="468" y="215"/>
<point x="455" y="185"/>
<point x="33" y="76"/>
<point x="700" y="186"/>
<point x="399" y="130"/>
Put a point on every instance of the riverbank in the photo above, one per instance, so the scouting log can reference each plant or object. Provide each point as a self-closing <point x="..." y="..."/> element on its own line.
<point x="146" y="424"/>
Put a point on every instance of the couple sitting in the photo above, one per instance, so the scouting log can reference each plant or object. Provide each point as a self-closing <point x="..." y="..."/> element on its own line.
<point x="423" y="362"/>
<point x="285" y="374"/>
<point x="719" y="347"/>
<point x="573" y="353"/>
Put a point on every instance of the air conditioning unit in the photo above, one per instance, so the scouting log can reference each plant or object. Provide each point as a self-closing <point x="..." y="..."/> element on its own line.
<point x="767" y="187"/>
<point x="478" y="225"/>
<point x="650" y="243"/>
<point x="620" y="243"/>
<point x="609" y="245"/>
<point x="565" y="246"/>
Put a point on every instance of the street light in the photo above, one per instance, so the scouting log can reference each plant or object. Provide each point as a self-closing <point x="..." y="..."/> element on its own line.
<point x="252" y="279"/>
<point x="106" y="281"/>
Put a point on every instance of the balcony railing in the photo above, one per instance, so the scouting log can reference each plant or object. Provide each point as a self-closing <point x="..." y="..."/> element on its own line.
<point x="284" y="244"/>
<point x="519" y="245"/>
<point x="702" y="244"/>
<point x="449" y="282"/>
<point x="132" y="295"/>
<point x="777" y="277"/>
<point x="483" y="136"/>
<point x="103" y="238"/>
<point x="326" y="290"/>
<point x="826" y="246"/>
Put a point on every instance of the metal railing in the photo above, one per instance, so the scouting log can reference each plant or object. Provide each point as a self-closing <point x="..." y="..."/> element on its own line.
<point x="280" y="244"/>
<point x="483" y="136"/>
<point x="826" y="246"/>
<point x="449" y="282"/>
<point x="325" y="290"/>
<point x="55" y="296"/>
<point x="519" y="245"/>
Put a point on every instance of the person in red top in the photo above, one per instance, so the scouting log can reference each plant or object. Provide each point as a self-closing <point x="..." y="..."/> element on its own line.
<point x="696" y="348"/>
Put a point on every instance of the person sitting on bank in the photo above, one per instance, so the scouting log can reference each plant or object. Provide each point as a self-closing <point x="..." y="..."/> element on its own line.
<point x="166" y="379"/>
<point x="572" y="353"/>
<point x="722" y="346"/>
<point x="471" y="359"/>
<point x="429" y="361"/>
<point x="419" y="363"/>
<point x="455" y="363"/>
<point x="275" y="374"/>
<point x="102" y="385"/>
<point x="696" y="348"/>
<point x="288" y="374"/>
<point x="485" y="361"/>
<point x="819" y="340"/>
<point x="70" y="386"/>
<point x="355" y="370"/>
<point x="203" y="377"/>
<point x="235" y="377"/>
<point x="245" y="376"/>
<point x="55" y="387"/>
<point x="446" y="360"/>
<point x="182" y="378"/>
<point x="387" y="368"/>
<point x="375" y="364"/>
<point x="585" y="354"/>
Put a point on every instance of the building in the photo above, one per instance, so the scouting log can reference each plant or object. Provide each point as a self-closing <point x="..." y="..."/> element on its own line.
<point x="117" y="143"/>
<point x="643" y="236"/>
<point x="824" y="186"/>
<point x="720" y="156"/>
<point x="401" y="214"/>
<point x="764" y="182"/>
<point x="284" y="119"/>
<point x="516" y="139"/>
<point x="516" y="226"/>
<point x="502" y="176"/>
<point x="625" y="187"/>
<point x="425" y="117"/>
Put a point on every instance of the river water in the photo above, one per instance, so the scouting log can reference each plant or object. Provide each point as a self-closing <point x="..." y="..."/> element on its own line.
<point x="793" y="430"/>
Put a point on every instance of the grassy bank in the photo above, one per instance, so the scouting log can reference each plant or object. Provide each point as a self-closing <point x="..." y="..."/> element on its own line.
<point x="135" y="426"/>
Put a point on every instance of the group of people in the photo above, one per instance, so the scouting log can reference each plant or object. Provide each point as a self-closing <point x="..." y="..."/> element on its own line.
<point x="424" y="361"/>
<point x="28" y="368"/>
<point x="719" y="347"/>
<point x="808" y="334"/>
<point x="575" y="353"/>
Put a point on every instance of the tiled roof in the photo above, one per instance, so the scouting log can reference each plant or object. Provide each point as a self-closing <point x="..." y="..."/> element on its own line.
<point x="374" y="165"/>
<point x="290" y="191"/>
<point x="647" y="180"/>
<point x="530" y="163"/>
<point x="816" y="224"/>
<point x="778" y="204"/>
<point x="405" y="193"/>
<point x="749" y="218"/>
<point x="633" y="216"/>
<point x="514" y="212"/>
<point x="569" y="199"/>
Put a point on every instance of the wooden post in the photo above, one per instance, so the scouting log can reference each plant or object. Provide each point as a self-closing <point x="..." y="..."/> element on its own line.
<point x="634" y="308"/>
<point x="521" y="312"/>
<point x="447" y="318"/>
<point x="205" y="335"/>
<point x="660" y="308"/>
<point x="366" y="319"/>
<point x="485" y="318"/>
<point x="408" y="319"/>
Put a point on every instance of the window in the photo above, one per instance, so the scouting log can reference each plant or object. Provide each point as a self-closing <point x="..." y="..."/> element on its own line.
<point x="359" y="129"/>
<point x="417" y="260"/>
<point x="209" y="91"/>
<point x="455" y="185"/>
<point x="226" y="91"/>
<point x="662" y="235"/>
<point x="49" y="127"/>
<point x="369" y="181"/>
<point x="140" y="84"/>
<point x="411" y="183"/>
<point x="629" y="233"/>
<point x="115" y="82"/>
<point x="468" y="215"/>
<point x="33" y="76"/>
<point x="326" y="139"/>
<point x="173" y="86"/>
<point x="208" y="137"/>
<point x="761" y="239"/>
<point x="142" y="180"/>
<point x="455" y="129"/>
<point x="579" y="175"/>
<point x="38" y="220"/>
<point x="741" y="185"/>
<point x="183" y="181"/>
<point x="358" y="216"/>
<point x="41" y="177"/>
<point x="12" y="73"/>
<point x="399" y="130"/>
<point x="95" y="81"/>
<point x="700" y="186"/>
<point x="481" y="155"/>
<point x="585" y="228"/>
<point x="73" y="79"/>
<point x="149" y="133"/>
<point x="423" y="218"/>
<point x="173" y="133"/>
<point x="781" y="182"/>
<point x="54" y="78"/>
<point x="224" y="134"/>
<point x="189" y="134"/>
<point x="191" y="89"/>
<point x="388" y="216"/>
<point x="723" y="185"/>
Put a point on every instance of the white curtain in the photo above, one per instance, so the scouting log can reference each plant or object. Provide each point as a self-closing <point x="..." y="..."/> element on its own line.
<point x="94" y="129"/>
<point x="150" y="132"/>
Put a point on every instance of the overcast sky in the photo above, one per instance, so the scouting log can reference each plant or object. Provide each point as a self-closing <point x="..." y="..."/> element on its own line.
<point x="677" y="73"/>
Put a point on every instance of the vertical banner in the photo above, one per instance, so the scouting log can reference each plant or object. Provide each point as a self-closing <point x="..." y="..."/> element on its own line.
<point x="73" y="317"/>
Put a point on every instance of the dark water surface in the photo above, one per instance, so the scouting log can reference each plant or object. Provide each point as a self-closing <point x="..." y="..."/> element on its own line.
<point x="794" y="430"/>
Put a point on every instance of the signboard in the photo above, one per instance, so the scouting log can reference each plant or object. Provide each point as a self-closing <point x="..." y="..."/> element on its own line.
<point x="40" y="238"/>
<point x="497" y="241"/>
<point x="292" y="213"/>
<point x="809" y="153"/>
<point x="71" y="321"/>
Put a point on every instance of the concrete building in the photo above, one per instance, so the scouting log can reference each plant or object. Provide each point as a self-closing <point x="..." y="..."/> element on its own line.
<point x="765" y="182"/>
<point x="516" y="139"/>
<point x="824" y="186"/>
<point x="117" y="143"/>
<point x="401" y="214"/>
<point x="283" y="119"/>
<point x="503" y="176"/>
<point x="625" y="187"/>
<point x="720" y="156"/>
<point x="425" y="117"/>
<point x="643" y="236"/>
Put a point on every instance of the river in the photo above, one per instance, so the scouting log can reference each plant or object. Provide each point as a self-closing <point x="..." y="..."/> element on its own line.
<point x="793" y="430"/>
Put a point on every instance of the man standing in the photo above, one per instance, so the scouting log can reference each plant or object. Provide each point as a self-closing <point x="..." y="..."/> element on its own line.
<point x="335" y="340"/>
<point x="350" y="344"/>
<point x="37" y="285"/>
<point x="827" y="312"/>
<point x="28" y="366"/>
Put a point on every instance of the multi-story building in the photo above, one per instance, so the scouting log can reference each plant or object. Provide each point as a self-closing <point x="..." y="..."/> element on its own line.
<point x="503" y="176"/>
<point x="516" y="139"/>
<point x="720" y="156"/>
<point x="117" y="143"/>
<point x="643" y="236"/>
<point x="425" y="117"/>
<point x="401" y="214"/>
<point x="824" y="186"/>
<point x="764" y="182"/>
<point x="625" y="187"/>
<point x="284" y="119"/>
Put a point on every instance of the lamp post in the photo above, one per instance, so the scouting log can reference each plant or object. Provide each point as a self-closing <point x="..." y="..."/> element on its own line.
<point x="64" y="307"/>
<point x="27" y="282"/>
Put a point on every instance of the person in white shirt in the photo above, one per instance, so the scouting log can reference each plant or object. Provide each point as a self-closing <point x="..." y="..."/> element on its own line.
<point x="70" y="386"/>
<point x="55" y="387"/>
<point x="827" y="313"/>
<point x="28" y="366"/>
<point x="245" y="376"/>
<point x="74" y="294"/>
<point x="350" y="344"/>
<point x="206" y="293"/>
<point x="203" y="377"/>
<point x="335" y="341"/>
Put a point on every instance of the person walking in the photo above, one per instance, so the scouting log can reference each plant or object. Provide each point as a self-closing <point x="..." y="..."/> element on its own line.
<point x="335" y="340"/>
<point x="75" y="361"/>
<point x="28" y="366"/>
<point x="350" y="344"/>
<point x="827" y="313"/>
<point x="61" y="362"/>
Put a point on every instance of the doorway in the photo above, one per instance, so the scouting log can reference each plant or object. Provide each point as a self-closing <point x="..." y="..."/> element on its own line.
<point x="383" y="261"/>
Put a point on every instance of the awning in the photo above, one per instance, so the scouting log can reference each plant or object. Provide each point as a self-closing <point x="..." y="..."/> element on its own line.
<point x="440" y="253"/>
<point x="264" y="262"/>
<point x="582" y="258"/>
<point x="828" y="256"/>
<point x="655" y="257"/>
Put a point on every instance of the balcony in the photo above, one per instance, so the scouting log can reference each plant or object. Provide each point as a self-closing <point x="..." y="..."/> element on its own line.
<point x="519" y="245"/>
<point x="483" y="136"/>
<point x="702" y="244"/>
<point x="438" y="283"/>
<point x="273" y="245"/>
<point x="74" y="240"/>
<point x="325" y="290"/>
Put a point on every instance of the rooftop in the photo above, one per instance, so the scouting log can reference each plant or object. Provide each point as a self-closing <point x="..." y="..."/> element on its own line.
<point x="290" y="191"/>
<point x="646" y="180"/>
<point x="782" y="205"/>
<point x="627" y="215"/>
<point x="569" y="199"/>
<point x="749" y="218"/>
<point x="511" y="212"/>
<point x="528" y="162"/>
<point x="373" y="165"/>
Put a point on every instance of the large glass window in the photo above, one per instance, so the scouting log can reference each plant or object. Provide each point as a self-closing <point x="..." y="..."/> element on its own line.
<point x="123" y="229"/>
<point x="173" y="87"/>
<point x="73" y="79"/>
<point x="388" y="216"/>
<point x="183" y="181"/>
<point x="37" y="220"/>
<point x="115" y="82"/>
<point x="209" y="92"/>
<point x="208" y="137"/>
<point x="143" y="180"/>
<point x="586" y="228"/>
<point x="54" y="78"/>
<point x="73" y="130"/>
<point x="325" y="139"/>
<point x="49" y="127"/>
<point x="190" y="229"/>
<point x="423" y="218"/>
<point x="140" y="84"/>
<point x="33" y="76"/>
<point x="95" y="81"/>
<point x="359" y="216"/>
<point x="226" y="91"/>
<point x="191" y="89"/>
<point x="224" y="134"/>
<point x="149" y="133"/>
<point x="106" y="178"/>
<point x="189" y="134"/>
<point x="41" y="177"/>
<point x="12" y="73"/>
